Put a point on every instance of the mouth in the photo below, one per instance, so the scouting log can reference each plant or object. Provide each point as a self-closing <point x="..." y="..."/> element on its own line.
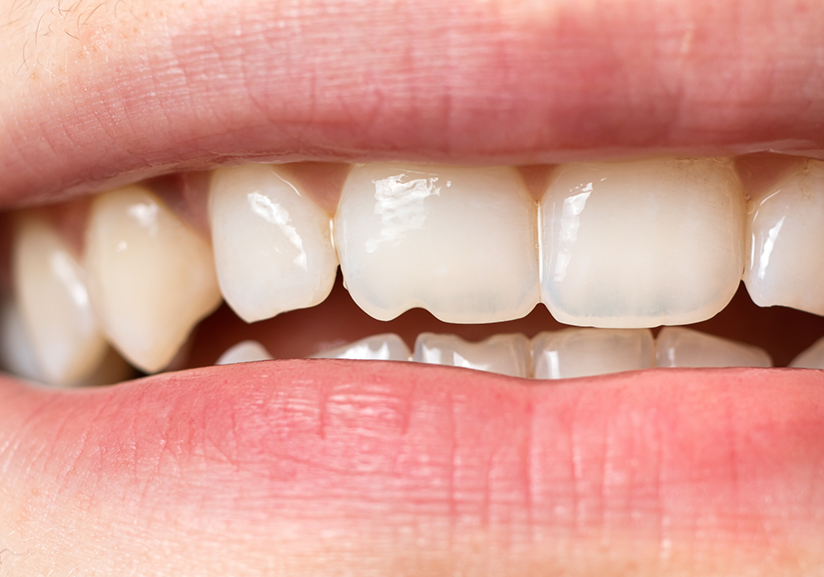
<point x="540" y="260"/>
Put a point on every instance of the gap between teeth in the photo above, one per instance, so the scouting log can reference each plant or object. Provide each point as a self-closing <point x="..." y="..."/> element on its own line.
<point x="614" y="245"/>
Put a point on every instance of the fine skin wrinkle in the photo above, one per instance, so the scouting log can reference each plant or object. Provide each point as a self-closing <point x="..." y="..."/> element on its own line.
<point x="318" y="467"/>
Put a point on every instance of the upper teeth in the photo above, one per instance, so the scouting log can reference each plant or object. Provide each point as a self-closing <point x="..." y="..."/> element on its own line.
<point x="634" y="244"/>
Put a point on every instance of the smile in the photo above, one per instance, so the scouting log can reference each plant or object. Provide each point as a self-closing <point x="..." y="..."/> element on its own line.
<point x="608" y="228"/>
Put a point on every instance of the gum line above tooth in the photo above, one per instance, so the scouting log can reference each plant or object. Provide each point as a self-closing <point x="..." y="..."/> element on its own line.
<point x="563" y="354"/>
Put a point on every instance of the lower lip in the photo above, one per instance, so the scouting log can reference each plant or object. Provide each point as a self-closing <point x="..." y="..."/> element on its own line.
<point x="670" y="455"/>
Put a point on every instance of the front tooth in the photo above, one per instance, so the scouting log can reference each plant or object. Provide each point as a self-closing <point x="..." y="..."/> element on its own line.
<point x="273" y="246"/>
<point x="460" y="242"/>
<point x="504" y="354"/>
<point x="785" y="233"/>
<point x="385" y="347"/>
<point x="17" y="354"/>
<point x="54" y="304"/>
<point x="641" y="244"/>
<point x="680" y="347"/>
<point x="151" y="277"/>
<point x="811" y="358"/>
<point x="587" y="352"/>
<point x="244" y="352"/>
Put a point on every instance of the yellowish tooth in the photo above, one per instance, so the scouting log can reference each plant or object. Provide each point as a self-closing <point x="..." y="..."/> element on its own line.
<point x="785" y="234"/>
<point x="17" y="355"/>
<point x="503" y="354"/>
<point x="459" y="242"/>
<point x="681" y="347"/>
<point x="810" y="358"/>
<point x="641" y="243"/>
<point x="151" y="277"/>
<point x="54" y="304"/>
<point x="573" y="353"/>
<point x="272" y="244"/>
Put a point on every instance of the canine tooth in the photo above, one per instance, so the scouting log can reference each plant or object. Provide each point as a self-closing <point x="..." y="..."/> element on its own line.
<point x="810" y="358"/>
<point x="273" y="246"/>
<point x="244" y="352"/>
<point x="641" y="244"/>
<point x="681" y="347"/>
<point x="504" y="354"/>
<point x="17" y="355"/>
<point x="151" y="277"/>
<point x="460" y="242"/>
<point x="785" y="234"/>
<point x="586" y="352"/>
<point x="385" y="347"/>
<point x="54" y="304"/>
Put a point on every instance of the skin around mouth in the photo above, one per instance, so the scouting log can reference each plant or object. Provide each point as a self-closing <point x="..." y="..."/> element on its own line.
<point x="328" y="467"/>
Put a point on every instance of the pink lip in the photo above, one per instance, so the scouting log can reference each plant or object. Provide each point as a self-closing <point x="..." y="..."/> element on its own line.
<point x="708" y="460"/>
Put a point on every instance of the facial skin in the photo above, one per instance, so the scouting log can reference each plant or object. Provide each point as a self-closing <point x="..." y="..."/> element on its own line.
<point x="327" y="468"/>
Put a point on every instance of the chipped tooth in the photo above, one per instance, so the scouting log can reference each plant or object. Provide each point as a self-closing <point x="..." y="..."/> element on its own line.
<point x="272" y="245"/>
<point x="573" y="353"/>
<point x="244" y="352"/>
<point x="810" y="358"/>
<point x="17" y="354"/>
<point x="641" y="244"/>
<point x="459" y="242"/>
<point x="681" y="347"/>
<point x="785" y="235"/>
<point x="385" y="347"/>
<point x="504" y="354"/>
<point x="151" y="277"/>
<point x="54" y="304"/>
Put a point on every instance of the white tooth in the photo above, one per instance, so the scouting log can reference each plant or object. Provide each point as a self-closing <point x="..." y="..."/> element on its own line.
<point x="641" y="244"/>
<point x="386" y="347"/>
<point x="504" y="354"/>
<point x="54" y="304"/>
<point x="460" y="242"/>
<point x="244" y="352"/>
<point x="273" y="246"/>
<point x="785" y="233"/>
<point x="811" y="358"/>
<point x="680" y="347"/>
<point x="151" y="277"/>
<point x="586" y="352"/>
<point x="17" y="355"/>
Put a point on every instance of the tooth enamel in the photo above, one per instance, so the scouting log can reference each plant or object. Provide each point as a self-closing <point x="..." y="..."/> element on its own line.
<point x="150" y="277"/>
<point x="272" y="245"/>
<point x="573" y="353"/>
<point x="244" y="352"/>
<point x="811" y="358"/>
<point x="459" y="242"/>
<point x="641" y="244"/>
<point x="504" y="354"/>
<point x="785" y="234"/>
<point x="385" y="347"/>
<point x="17" y="355"/>
<point x="54" y="305"/>
<point x="680" y="347"/>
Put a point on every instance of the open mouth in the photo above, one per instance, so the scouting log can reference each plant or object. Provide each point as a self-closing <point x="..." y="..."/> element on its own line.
<point x="537" y="239"/>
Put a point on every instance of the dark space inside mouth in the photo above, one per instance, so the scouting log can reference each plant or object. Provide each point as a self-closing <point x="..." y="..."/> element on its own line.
<point x="781" y="331"/>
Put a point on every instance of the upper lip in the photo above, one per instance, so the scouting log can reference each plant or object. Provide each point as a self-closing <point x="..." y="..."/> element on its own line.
<point x="533" y="88"/>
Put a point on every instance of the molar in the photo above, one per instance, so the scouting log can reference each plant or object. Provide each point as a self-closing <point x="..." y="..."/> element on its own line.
<point x="459" y="242"/>
<point x="151" y="277"/>
<point x="272" y="245"/>
<point x="642" y="243"/>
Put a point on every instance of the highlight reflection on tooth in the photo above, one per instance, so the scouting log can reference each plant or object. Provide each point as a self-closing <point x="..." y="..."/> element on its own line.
<point x="459" y="242"/>
<point x="244" y="352"/>
<point x="504" y="354"/>
<point x="681" y="347"/>
<point x="785" y="234"/>
<point x="573" y="353"/>
<point x="272" y="245"/>
<point x="151" y="277"/>
<point x="54" y="304"/>
<point x="641" y="244"/>
<point x="385" y="347"/>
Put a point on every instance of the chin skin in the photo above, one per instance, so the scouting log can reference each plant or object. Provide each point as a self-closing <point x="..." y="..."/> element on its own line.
<point x="328" y="468"/>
